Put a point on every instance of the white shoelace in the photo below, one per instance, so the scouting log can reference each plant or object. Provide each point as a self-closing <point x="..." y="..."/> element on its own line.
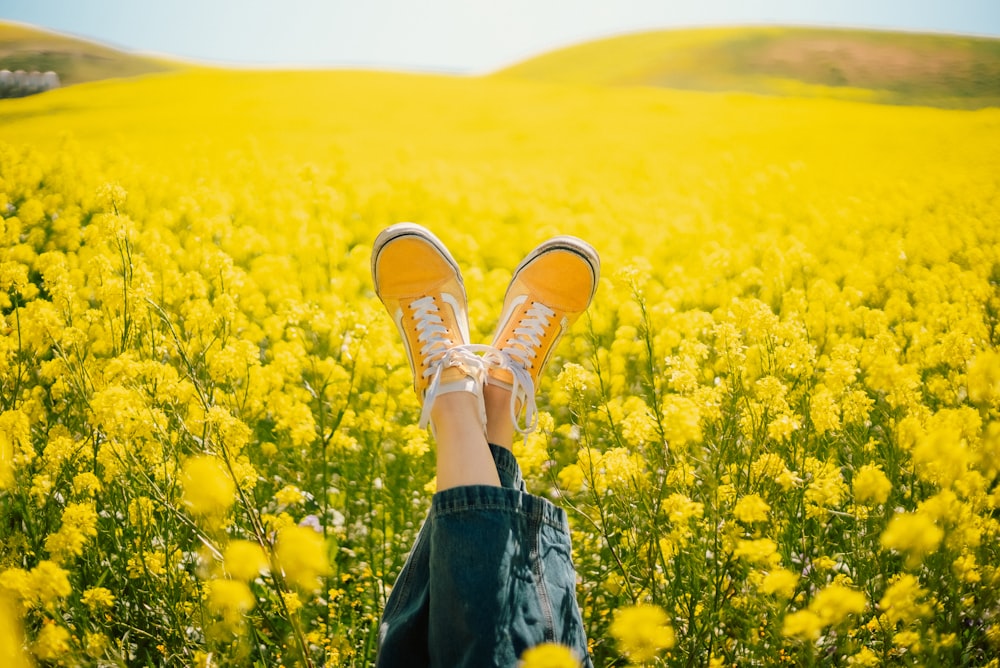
<point x="431" y="332"/>
<point x="522" y="388"/>
<point x="439" y="352"/>
<point x="474" y="368"/>
<point x="517" y="357"/>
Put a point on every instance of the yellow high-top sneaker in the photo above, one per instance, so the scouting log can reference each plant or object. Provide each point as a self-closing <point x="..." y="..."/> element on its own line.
<point x="549" y="290"/>
<point x="421" y="286"/>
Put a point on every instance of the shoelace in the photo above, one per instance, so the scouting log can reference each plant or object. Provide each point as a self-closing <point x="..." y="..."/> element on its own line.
<point x="528" y="337"/>
<point x="474" y="368"/>
<point x="439" y="352"/>
<point x="517" y="357"/>
<point x="431" y="332"/>
<point x="522" y="388"/>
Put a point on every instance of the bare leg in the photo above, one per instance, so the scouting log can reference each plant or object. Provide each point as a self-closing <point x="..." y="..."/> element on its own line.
<point x="463" y="456"/>
<point x="499" y="428"/>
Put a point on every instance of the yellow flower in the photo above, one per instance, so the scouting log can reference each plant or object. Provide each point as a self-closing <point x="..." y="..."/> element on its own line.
<point x="571" y="478"/>
<point x="86" y="484"/>
<point x="146" y="563"/>
<point x="966" y="569"/>
<point x="15" y="444"/>
<point x="781" y="427"/>
<point x="6" y="461"/>
<point x="292" y="601"/>
<point x="289" y="495"/>
<point x="416" y="443"/>
<point x="751" y="508"/>
<point x="575" y="379"/>
<point x="49" y="582"/>
<point x="829" y="607"/>
<point x="638" y="425"/>
<point x="835" y="602"/>
<point x="802" y="625"/>
<point x="533" y="452"/>
<point x="244" y="560"/>
<point x="993" y="635"/>
<point x="984" y="378"/>
<point x="908" y="639"/>
<point x="302" y="555"/>
<point x="642" y="632"/>
<point x="230" y="599"/>
<point x="622" y="469"/>
<point x="914" y="534"/>
<point x="98" y="597"/>
<point x="52" y="642"/>
<point x="11" y="637"/>
<point x="16" y="582"/>
<point x="681" y="420"/>
<point x="856" y="406"/>
<point x="762" y="551"/>
<point x="231" y="431"/>
<point x="871" y="485"/>
<point x="680" y="509"/>
<point x="825" y="489"/>
<point x="668" y="545"/>
<point x="824" y="563"/>
<point x="787" y="480"/>
<point x="772" y="394"/>
<point x="823" y="410"/>
<point x="59" y="450"/>
<point x="780" y="582"/>
<point x="942" y="456"/>
<point x="96" y="644"/>
<point x="770" y="466"/>
<point x="865" y="658"/>
<point x="549" y="655"/>
<point x="295" y="418"/>
<point x="902" y="600"/>
<point x="208" y="487"/>
<point x="79" y="521"/>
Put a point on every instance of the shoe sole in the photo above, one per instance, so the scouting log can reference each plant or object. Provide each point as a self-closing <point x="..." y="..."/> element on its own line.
<point x="574" y="245"/>
<point x="400" y="230"/>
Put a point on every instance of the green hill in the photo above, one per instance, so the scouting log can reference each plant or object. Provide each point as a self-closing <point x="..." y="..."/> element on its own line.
<point x="949" y="71"/>
<point x="74" y="60"/>
<point x="890" y="67"/>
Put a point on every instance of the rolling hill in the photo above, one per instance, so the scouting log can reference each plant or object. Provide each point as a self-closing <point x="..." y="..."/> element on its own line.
<point x="74" y="60"/>
<point x="939" y="70"/>
<point x="948" y="71"/>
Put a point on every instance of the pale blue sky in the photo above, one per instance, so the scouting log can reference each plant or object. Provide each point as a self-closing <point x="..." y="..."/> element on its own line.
<point x="470" y="36"/>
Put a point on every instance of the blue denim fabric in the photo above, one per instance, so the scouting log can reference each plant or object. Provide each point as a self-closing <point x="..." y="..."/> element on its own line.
<point x="489" y="576"/>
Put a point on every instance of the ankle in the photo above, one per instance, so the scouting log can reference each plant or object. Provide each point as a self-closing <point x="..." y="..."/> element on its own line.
<point x="499" y="427"/>
<point x="457" y="413"/>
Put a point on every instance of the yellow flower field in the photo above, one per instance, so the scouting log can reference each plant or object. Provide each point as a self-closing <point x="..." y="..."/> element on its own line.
<point x="777" y="433"/>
